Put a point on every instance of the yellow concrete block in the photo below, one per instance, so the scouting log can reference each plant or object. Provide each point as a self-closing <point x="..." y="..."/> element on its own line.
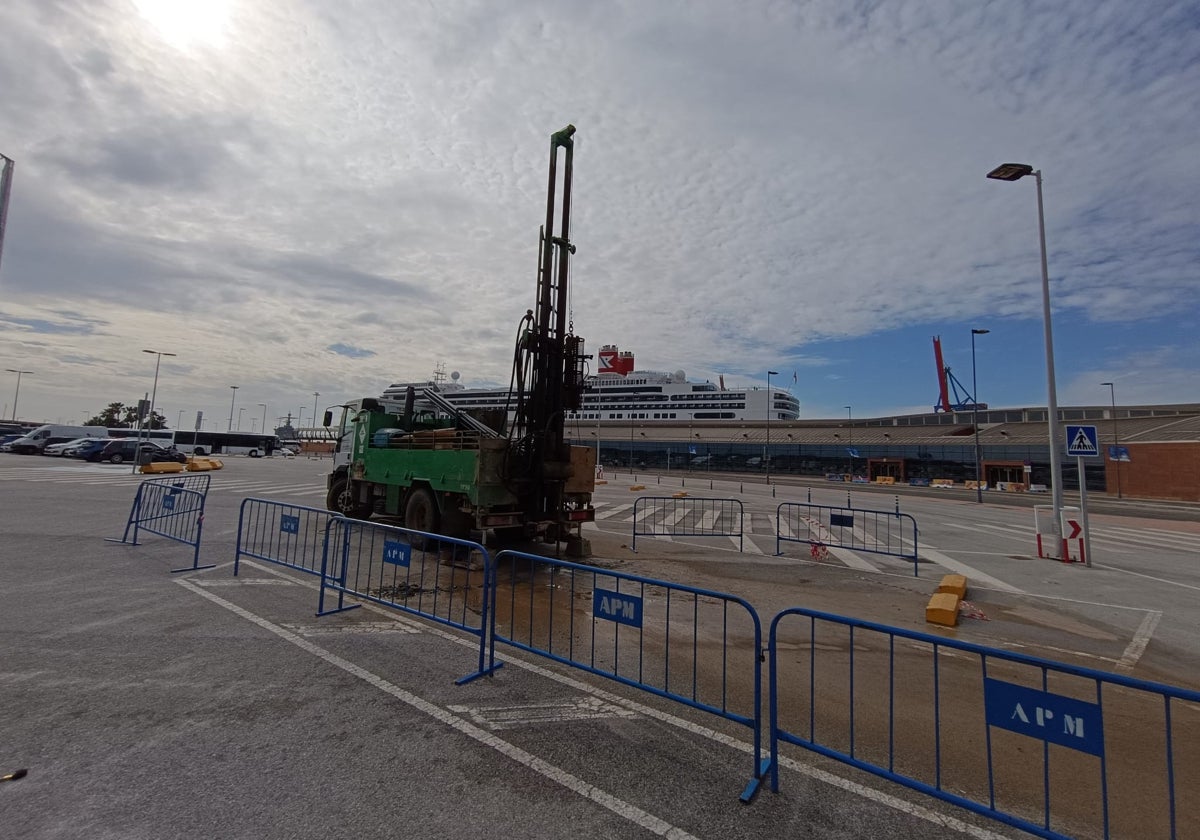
<point x="954" y="584"/>
<point x="942" y="609"/>
<point x="679" y="495"/>
<point x="161" y="467"/>
<point x="195" y="464"/>
<point x="601" y="481"/>
<point x="637" y="487"/>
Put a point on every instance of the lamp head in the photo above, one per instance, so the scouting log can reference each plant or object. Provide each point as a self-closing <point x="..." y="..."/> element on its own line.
<point x="1010" y="172"/>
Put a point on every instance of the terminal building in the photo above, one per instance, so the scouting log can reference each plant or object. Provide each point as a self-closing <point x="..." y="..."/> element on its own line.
<point x="1156" y="455"/>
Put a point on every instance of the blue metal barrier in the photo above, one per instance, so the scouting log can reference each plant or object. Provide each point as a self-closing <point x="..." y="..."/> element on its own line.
<point x="874" y="531"/>
<point x="284" y="534"/>
<point x="663" y="516"/>
<point x="1056" y="750"/>
<point x="695" y="646"/>
<point x="172" y="508"/>
<point x="440" y="578"/>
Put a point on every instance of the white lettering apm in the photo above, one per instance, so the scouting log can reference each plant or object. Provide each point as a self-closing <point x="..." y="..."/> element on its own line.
<point x="617" y="607"/>
<point x="1071" y="725"/>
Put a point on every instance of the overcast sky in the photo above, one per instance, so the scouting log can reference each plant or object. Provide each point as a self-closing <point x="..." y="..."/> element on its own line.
<point x="298" y="199"/>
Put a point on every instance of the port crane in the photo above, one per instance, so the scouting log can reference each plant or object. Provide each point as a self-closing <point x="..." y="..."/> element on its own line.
<point x="948" y="382"/>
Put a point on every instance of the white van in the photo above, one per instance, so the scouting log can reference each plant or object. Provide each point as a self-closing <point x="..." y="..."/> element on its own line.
<point x="34" y="442"/>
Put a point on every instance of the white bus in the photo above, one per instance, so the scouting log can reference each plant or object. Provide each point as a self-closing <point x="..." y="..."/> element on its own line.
<point x="225" y="443"/>
<point x="162" y="437"/>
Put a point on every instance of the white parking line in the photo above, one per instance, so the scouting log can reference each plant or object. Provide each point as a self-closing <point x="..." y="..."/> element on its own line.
<point x="555" y="774"/>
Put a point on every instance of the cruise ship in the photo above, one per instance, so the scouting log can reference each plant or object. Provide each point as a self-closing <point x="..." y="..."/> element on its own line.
<point x="619" y="391"/>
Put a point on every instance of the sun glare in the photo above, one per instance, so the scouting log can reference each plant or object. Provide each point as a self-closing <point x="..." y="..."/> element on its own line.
<point x="182" y="23"/>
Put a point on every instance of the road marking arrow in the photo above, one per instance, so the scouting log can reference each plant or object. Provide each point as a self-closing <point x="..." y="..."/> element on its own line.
<point x="1075" y="529"/>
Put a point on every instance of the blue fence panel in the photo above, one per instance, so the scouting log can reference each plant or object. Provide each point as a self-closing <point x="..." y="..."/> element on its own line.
<point x="691" y="645"/>
<point x="281" y="533"/>
<point x="1054" y="749"/>
<point x="874" y="531"/>
<point x="668" y="516"/>
<point x="172" y="508"/>
<point x="442" y="579"/>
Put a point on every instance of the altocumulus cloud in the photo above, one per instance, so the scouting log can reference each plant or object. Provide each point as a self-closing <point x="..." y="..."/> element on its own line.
<point x="350" y="351"/>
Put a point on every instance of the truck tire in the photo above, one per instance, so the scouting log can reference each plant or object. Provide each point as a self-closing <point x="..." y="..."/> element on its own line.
<point x="341" y="499"/>
<point x="421" y="514"/>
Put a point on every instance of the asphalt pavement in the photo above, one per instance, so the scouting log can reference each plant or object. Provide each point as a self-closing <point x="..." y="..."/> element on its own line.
<point x="150" y="704"/>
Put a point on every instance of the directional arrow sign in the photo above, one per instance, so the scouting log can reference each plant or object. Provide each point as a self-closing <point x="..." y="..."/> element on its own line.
<point x="1075" y="529"/>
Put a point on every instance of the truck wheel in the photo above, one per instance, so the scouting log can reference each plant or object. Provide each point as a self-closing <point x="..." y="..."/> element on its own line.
<point x="421" y="514"/>
<point x="341" y="500"/>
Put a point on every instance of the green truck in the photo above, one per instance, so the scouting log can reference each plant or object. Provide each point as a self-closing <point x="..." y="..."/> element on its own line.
<point x="445" y="471"/>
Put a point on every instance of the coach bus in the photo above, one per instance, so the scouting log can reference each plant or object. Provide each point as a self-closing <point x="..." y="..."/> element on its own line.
<point x="226" y="443"/>
<point x="162" y="437"/>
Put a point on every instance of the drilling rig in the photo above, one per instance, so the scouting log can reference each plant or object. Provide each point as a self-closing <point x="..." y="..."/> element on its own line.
<point x="442" y="470"/>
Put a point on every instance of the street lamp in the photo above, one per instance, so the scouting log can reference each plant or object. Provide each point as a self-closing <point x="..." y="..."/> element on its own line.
<point x="154" y="391"/>
<point x="179" y="420"/>
<point x="18" y="393"/>
<point x="299" y="418"/>
<point x="1112" y="393"/>
<point x="975" y="417"/>
<point x="315" y="395"/>
<point x="1015" y="172"/>
<point x="234" y="388"/>
<point x="770" y="408"/>
<point x="850" y="434"/>
<point x="264" y="423"/>
<point x="240" y="410"/>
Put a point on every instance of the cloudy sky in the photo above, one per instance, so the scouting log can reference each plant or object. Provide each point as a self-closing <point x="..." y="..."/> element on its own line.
<point x="308" y="196"/>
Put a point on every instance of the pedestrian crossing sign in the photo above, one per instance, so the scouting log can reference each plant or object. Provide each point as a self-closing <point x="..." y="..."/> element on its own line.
<point x="1082" y="440"/>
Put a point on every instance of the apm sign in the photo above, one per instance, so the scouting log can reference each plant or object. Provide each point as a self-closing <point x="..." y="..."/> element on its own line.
<point x="1045" y="716"/>
<point x="614" y="606"/>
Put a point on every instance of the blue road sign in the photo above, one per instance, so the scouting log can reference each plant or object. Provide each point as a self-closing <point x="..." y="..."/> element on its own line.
<point x="289" y="524"/>
<point x="1118" y="453"/>
<point x="1082" y="440"/>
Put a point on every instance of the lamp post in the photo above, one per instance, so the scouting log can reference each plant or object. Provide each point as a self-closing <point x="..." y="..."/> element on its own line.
<point x="234" y="388"/>
<point x="264" y="423"/>
<point x="770" y="408"/>
<point x="154" y="390"/>
<point x="850" y="434"/>
<point x="631" y="442"/>
<point x="1112" y="393"/>
<point x="1015" y="172"/>
<point x="240" y="410"/>
<point x="975" y="414"/>
<point x="179" y="420"/>
<point x="18" y="393"/>
<point x="315" y="395"/>
<point x="299" y="418"/>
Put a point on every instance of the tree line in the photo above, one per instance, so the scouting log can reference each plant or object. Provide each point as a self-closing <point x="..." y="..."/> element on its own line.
<point x="120" y="416"/>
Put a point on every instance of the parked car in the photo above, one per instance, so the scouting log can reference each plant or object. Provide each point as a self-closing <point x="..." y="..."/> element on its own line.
<point x="5" y="440"/>
<point x="86" y="448"/>
<point x="125" y="449"/>
<point x="60" y="449"/>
